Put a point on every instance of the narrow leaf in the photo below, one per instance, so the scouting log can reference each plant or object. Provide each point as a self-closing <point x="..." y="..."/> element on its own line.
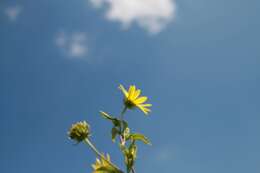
<point x="140" y="137"/>
<point x="106" y="115"/>
<point x="114" y="132"/>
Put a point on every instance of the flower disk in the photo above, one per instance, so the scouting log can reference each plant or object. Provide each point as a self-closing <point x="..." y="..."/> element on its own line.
<point x="79" y="131"/>
<point x="133" y="100"/>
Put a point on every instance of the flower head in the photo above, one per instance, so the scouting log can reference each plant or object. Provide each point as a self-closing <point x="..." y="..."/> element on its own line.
<point x="133" y="99"/>
<point x="79" y="131"/>
<point x="104" y="166"/>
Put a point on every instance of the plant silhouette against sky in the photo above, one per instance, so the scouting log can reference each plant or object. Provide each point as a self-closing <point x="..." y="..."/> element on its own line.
<point x="120" y="132"/>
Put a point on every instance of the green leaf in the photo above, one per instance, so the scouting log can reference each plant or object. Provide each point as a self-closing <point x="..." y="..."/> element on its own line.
<point x="114" y="132"/>
<point x="133" y="150"/>
<point x="106" y="116"/>
<point x="130" y="154"/>
<point x="115" y="121"/>
<point x="140" y="137"/>
<point x="106" y="169"/>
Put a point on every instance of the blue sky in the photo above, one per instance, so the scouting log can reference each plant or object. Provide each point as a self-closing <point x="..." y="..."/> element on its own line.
<point x="197" y="61"/>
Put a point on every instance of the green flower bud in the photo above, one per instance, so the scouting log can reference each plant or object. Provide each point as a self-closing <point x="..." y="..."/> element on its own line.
<point x="79" y="131"/>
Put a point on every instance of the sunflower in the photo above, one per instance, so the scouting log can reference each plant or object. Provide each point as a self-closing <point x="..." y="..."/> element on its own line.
<point x="133" y="100"/>
<point x="104" y="166"/>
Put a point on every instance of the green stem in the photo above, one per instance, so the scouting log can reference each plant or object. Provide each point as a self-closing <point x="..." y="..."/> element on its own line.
<point x="87" y="141"/>
<point x="122" y="113"/>
<point x="121" y="118"/>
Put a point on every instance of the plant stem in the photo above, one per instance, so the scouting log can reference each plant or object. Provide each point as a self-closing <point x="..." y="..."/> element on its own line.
<point x="121" y="118"/>
<point x="87" y="141"/>
<point x="122" y="114"/>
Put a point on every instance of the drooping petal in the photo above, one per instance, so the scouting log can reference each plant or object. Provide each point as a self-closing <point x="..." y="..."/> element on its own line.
<point x="144" y="109"/>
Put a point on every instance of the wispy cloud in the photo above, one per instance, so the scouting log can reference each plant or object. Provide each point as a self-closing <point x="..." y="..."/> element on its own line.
<point x="72" y="44"/>
<point x="152" y="15"/>
<point x="13" y="12"/>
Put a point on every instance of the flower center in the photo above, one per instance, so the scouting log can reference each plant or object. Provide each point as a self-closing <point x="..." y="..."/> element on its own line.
<point x="129" y="103"/>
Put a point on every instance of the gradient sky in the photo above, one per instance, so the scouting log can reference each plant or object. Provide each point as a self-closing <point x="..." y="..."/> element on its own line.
<point x="62" y="61"/>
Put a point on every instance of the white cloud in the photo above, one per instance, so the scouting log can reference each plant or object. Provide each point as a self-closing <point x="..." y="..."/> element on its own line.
<point x="152" y="15"/>
<point x="13" y="12"/>
<point x="73" y="44"/>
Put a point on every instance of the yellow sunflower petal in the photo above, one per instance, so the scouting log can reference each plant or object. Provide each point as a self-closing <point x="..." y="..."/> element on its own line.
<point x="131" y="91"/>
<point x="140" y="100"/>
<point x="136" y="94"/>
<point x="98" y="161"/>
<point x="108" y="159"/>
<point x="121" y="87"/>
<point x="146" y="105"/>
<point x="93" y="166"/>
<point x="144" y="109"/>
<point x="147" y="110"/>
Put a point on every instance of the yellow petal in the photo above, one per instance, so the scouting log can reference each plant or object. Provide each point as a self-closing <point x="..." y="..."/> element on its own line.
<point x="145" y="110"/>
<point x="146" y="105"/>
<point x="105" y="162"/>
<point x="121" y="87"/>
<point x="94" y="166"/>
<point x="98" y="162"/>
<point x="136" y="94"/>
<point x="140" y="100"/>
<point x="131" y="92"/>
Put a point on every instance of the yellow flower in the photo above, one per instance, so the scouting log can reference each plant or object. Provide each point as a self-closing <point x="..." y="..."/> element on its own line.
<point x="79" y="131"/>
<point x="133" y="100"/>
<point x="104" y="166"/>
